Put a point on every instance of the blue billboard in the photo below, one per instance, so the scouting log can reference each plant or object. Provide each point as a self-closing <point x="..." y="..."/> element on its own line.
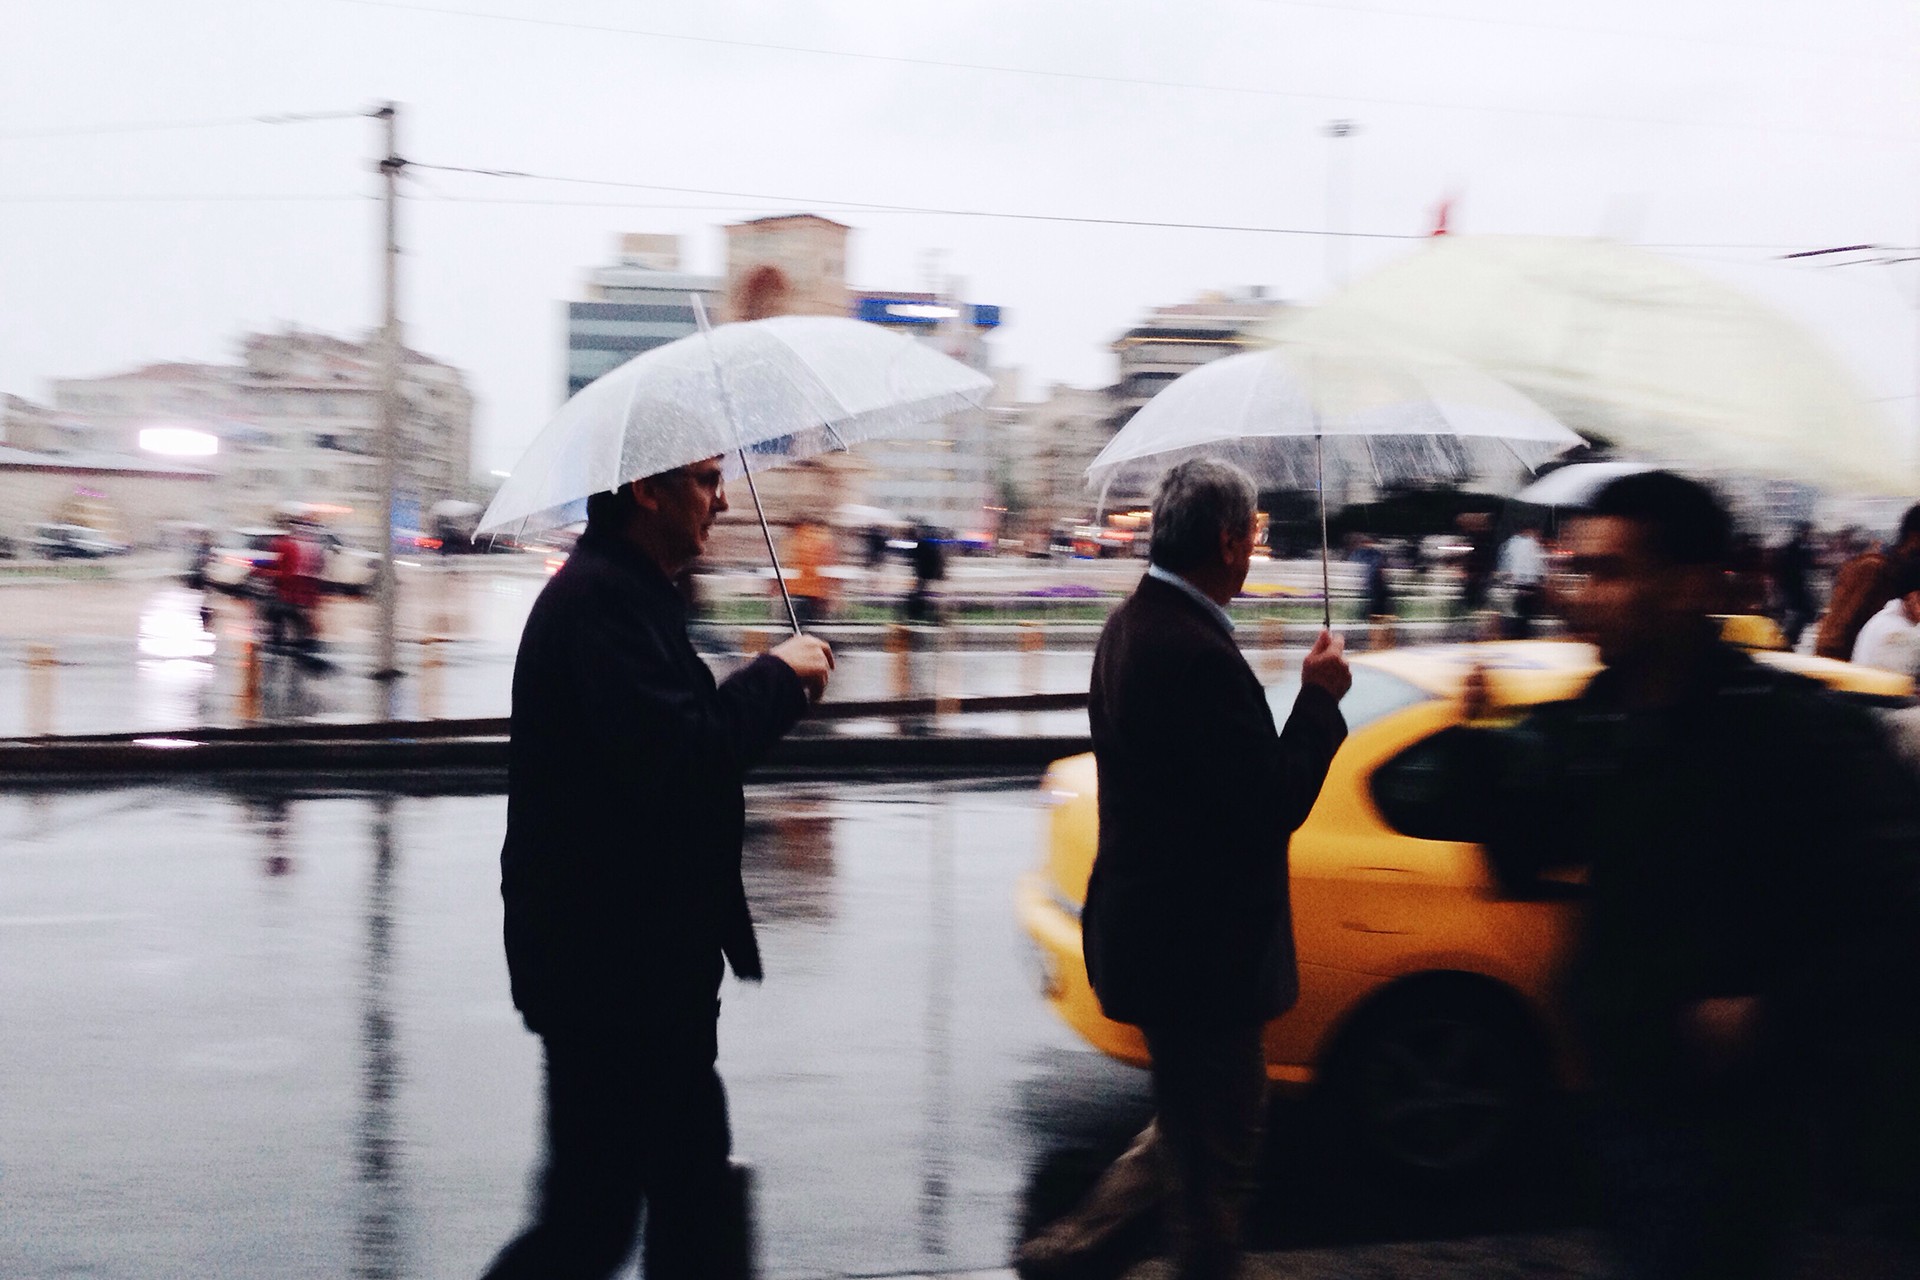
<point x="923" y="313"/>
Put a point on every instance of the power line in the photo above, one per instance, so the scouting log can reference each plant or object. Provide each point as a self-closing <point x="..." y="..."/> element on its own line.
<point x="131" y="198"/>
<point x="858" y="206"/>
<point x="1571" y="28"/>
<point x="166" y="126"/>
<point x="798" y="202"/>
<point x="866" y="206"/>
<point x="1098" y="78"/>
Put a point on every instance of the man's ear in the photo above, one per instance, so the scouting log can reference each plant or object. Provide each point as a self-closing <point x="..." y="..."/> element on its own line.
<point x="643" y="495"/>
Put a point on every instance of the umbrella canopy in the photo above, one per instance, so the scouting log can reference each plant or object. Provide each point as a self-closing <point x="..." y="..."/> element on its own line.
<point x="1575" y="485"/>
<point x="1653" y="356"/>
<point x="1340" y="412"/>
<point x="781" y="389"/>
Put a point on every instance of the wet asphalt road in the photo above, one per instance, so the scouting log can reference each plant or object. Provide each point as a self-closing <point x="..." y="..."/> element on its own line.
<point x="269" y="1035"/>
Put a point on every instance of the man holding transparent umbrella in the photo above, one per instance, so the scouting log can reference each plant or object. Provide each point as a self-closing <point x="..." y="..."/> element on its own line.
<point x="1187" y="928"/>
<point x="622" y="886"/>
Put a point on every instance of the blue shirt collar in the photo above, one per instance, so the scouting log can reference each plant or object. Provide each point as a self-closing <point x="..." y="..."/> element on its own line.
<point x="1179" y="583"/>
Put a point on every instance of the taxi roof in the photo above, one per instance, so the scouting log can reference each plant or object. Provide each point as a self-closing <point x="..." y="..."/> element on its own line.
<point x="1527" y="671"/>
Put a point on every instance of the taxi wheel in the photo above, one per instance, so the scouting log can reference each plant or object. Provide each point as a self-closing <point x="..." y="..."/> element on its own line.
<point x="1439" y="1084"/>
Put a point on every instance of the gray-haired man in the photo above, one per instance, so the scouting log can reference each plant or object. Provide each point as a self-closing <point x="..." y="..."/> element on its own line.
<point x="1186" y="927"/>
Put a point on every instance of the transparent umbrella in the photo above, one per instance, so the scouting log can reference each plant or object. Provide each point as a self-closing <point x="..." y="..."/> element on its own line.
<point x="1346" y="409"/>
<point x="1653" y="356"/>
<point x="773" y="391"/>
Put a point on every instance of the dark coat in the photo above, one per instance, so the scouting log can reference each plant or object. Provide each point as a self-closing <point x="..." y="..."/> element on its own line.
<point x="1757" y="839"/>
<point x="625" y="814"/>
<point x="1187" y="918"/>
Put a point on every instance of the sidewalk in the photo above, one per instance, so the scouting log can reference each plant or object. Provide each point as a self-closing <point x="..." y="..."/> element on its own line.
<point x="1559" y="1255"/>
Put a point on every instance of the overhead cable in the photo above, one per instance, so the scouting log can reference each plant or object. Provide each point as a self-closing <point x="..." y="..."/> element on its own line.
<point x="166" y="126"/>
<point x="861" y="205"/>
<point x="951" y="64"/>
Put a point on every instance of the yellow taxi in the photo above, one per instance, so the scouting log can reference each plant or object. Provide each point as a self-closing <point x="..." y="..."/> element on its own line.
<point x="1424" y="1008"/>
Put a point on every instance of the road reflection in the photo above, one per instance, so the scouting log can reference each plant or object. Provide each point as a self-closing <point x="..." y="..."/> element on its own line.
<point x="379" y="1251"/>
<point x="343" y="1086"/>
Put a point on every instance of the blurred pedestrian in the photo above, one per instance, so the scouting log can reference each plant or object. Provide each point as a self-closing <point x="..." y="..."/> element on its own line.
<point x="1186" y="925"/>
<point x="294" y="595"/>
<point x="811" y="588"/>
<point x="1863" y="585"/>
<point x="1375" y="586"/>
<point x="621" y="881"/>
<point x="1523" y="571"/>
<point x="1890" y="639"/>
<point x="1478" y="562"/>
<point x="1746" y="583"/>
<point x="1752" y="856"/>
<point x="1793" y="566"/>
<point x="929" y="563"/>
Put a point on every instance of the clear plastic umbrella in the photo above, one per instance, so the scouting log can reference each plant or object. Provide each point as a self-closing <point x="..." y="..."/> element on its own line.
<point x="773" y="390"/>
<point x="1346" y="408"/>
<point x="1656" y="357"/>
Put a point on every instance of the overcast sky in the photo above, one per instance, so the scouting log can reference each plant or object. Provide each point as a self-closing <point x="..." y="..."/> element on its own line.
<point x="1738" y="129"/>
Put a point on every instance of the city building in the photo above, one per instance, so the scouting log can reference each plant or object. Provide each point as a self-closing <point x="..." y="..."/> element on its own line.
<point x="138" y="501"/>
<point x="792" y="264"/>
<point x="1047" y="445"/>
<point x="641" y="300"/>
<point x="39" y="429"/>
<point x="949" y="475"/>
<point x="312" y="406"/>
<point x="1177" y="339"/>
<point x="295" y="424"/>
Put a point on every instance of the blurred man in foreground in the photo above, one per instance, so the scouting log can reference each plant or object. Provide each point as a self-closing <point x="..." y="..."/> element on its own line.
<point x="621" y="878"/>
<point x="1752" y="930"/>
<point x="1186" y="925"/>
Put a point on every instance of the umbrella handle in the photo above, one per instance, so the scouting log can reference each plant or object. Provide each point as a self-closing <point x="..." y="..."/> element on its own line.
<point x="1320" y="487"/>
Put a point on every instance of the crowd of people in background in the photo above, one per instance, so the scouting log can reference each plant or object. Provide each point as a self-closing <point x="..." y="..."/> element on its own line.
<point x="1838" y="594"/>
<point x="1497" y="573"/>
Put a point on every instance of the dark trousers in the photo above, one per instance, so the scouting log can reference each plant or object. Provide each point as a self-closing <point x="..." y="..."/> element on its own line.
<point x="1210" y="1099"/>
<point x="634" y="1119"/>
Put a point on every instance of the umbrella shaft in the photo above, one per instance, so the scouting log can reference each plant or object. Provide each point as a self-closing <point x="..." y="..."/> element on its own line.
<point x="778" y="575"/>
<point x="1320" y="487"/>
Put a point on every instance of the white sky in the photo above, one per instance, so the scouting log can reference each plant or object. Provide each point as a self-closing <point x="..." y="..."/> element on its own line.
<point x="1763" y="125"/>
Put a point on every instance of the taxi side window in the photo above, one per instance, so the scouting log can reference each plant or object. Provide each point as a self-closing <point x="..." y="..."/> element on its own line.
<point x="1419" y="794"/>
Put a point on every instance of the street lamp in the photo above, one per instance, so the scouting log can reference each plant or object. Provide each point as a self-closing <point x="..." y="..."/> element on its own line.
<point x="1339" y="194"/>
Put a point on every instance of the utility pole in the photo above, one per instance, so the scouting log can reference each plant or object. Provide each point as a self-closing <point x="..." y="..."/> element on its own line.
<point x="386" y="665"/>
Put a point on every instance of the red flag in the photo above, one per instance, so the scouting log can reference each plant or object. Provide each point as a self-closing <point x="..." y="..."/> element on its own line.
<point x="1440" y="216"/>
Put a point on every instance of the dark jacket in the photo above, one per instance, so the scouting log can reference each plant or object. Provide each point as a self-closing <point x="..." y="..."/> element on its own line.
<point x="1186" y="918"/>
<point x="1758" y="839"/>
<point x="621" y="868"/>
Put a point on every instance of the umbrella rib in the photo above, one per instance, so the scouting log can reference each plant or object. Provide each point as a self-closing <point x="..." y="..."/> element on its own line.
<point x="1531" y="469"/>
